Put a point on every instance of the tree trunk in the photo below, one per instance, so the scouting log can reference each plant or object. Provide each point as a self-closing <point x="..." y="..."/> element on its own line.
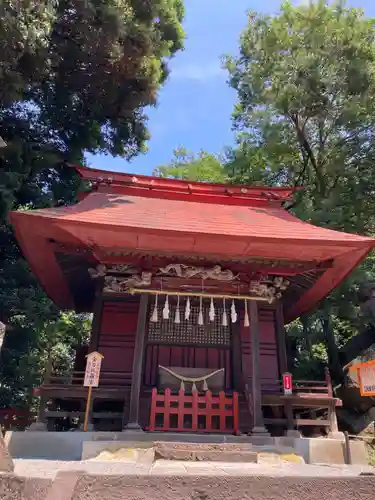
<point x="332" y="350"/>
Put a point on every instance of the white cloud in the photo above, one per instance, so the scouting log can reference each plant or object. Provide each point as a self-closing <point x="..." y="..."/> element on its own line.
<point x="198" y="72"/>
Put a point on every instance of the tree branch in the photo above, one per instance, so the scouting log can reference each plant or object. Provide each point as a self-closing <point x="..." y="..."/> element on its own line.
<point x="304" y="143"/>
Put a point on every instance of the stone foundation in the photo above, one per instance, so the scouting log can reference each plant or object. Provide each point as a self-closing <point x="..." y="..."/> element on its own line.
<point x="81" y="446"/>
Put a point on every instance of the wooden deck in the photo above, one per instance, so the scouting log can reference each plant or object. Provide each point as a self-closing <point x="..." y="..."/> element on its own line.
<point x="309" y="399"/>
<point x="64" y="397"/>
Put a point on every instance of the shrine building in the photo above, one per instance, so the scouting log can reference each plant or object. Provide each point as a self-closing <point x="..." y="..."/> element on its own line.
<point x="190" y="285"/>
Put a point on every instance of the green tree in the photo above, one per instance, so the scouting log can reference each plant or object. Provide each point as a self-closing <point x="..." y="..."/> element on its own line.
<point x="305" y="116"/>
<point x="75" y="76"/>
<point x="306" y="89"/>
<point x="31" y="343"/>
<point x="204" y="167"/>
<point x="101" y="60"/>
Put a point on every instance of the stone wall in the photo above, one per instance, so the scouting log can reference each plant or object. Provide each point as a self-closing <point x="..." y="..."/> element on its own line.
<point x="80" y="445"/>
<point x="22" y="488"/>
<point x="76" y="486"/>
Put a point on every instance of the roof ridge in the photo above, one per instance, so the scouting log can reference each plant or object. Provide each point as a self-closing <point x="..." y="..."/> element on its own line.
<point x="120" y="180"/>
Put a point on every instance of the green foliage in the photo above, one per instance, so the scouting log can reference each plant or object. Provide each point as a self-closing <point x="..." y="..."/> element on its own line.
<point x="32" y="341"/>
<point x="306" y="86"/>
<point x="305" y="116"/>
<point x="75" y="76"/>
<point x="204" y="167"/>
<point x="87" y="68"/>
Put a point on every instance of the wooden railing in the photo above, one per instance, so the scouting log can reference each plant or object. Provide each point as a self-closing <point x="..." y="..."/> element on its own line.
<point x="308" y="396"/>
<point x="310" y="388"/>
<point x="117" y="379"/>
<point x="69" y="389"/>
<point x="194" y="412"/>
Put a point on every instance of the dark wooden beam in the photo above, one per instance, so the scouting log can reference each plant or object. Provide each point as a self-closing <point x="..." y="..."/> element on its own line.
<point x="97" y="317"/>
<point x="258" y="422"/>
<point x="154" y="259"/>
<point x="236" y="357"/>
<point x="67" y="249"/>
<point x="281" y="338"/>
<point x="135" y="391"/>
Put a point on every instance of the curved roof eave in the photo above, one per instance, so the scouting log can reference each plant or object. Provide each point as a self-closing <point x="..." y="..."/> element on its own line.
<point x="33" y="229"/>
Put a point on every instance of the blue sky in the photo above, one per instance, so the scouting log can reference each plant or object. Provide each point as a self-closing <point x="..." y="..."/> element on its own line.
<point x="196" y="103"/>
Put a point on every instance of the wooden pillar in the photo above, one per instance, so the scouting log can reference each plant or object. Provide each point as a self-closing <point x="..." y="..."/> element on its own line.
<point x="97" y="318"/>
<point x="258" y="422"/>
<point x="135" y="391"/>
<point x="332" y="417"/>
<point x="288" y="408"/>
<point x="281" y="339"/>
<point x="236" y="357"/>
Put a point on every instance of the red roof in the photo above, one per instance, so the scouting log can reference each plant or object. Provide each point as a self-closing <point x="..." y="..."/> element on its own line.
<point x="151" y="214"/>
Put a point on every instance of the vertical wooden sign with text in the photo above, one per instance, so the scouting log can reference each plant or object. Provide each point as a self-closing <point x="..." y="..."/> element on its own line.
<point x="92" y="377"/>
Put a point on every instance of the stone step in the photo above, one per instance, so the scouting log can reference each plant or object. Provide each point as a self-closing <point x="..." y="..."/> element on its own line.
<point x="200" y="454"/>
<point x="241" y="452"/>
<point x="201" y="446"/>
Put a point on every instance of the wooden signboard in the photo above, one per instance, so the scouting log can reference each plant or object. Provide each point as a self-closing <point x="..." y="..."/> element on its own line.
<point x="365" y="377"/>
<point x="92" y="373"/>
<point x="92" y="376"/>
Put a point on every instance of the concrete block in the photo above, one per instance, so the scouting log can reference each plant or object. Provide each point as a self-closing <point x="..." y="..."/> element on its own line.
<point x="329" y="451"/>
<point x="46" y="445"/>
<point x="326" y="452"/>
<point x="6" y="462"/>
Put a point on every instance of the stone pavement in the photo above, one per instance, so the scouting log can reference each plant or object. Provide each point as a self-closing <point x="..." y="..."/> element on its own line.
<point x="79" y="486"/>
<point x="49" y="469"/>
<point x="166" y="480"/>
